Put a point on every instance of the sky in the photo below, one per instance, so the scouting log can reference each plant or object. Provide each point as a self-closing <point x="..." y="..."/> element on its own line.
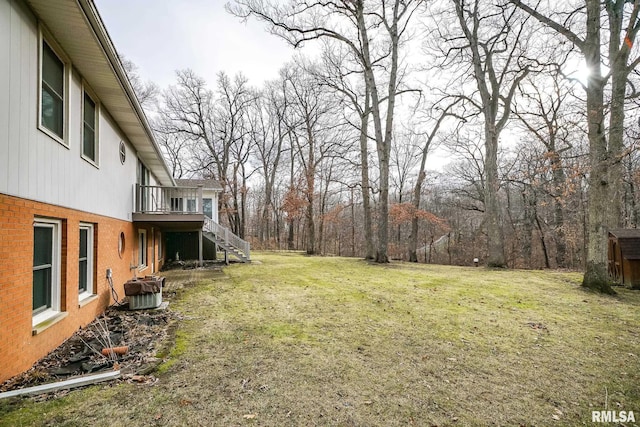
<point x="162" y="36"/>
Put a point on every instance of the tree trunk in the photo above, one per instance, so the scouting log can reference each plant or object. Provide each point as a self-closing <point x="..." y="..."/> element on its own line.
<point x="599" y="207"/>
<point x="542" y="242"/>
<point x="243" y="206"/>
<point x="383" y="222"/>
<point x="383" y="141"/>
<point x="364" y="175"/>
<point x="290" y="236"/>
<point x="353" y="225"/>
<point x="491" y="204"/>
<point x="413" y="237"/>
<point x="559" y="182"/>
<point x="634" y="215"/>
<point x="310" y="177"/>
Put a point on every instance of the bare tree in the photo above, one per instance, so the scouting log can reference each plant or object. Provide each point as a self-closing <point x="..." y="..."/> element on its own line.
<point x="403" y="160"/>
<point x="216" y="126"/>
<point x="310" y="111"/>
<point x="356" y="98"/>
<point x="354" y="23"/>
<point x="175" y="149"/>
<point x="147" y="92"/>
<point x="489" y="47"/>
<point x="543" y="111"/>
<point x="582" y="26"/>
<point x="428" y="142"/>
<point x="269" y="132"/>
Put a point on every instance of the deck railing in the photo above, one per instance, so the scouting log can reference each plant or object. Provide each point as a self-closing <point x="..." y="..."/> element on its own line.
<point x="168" y="200"/>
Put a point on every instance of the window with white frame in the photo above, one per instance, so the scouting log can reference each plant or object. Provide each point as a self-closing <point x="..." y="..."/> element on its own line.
<point x="85" y="262"/>
<point x="89" y="128"/>
<point x="207" y="207"/>
<point x="46" y="269"/>
<point x="142" y="248"/>
<point x="52" y="92"/>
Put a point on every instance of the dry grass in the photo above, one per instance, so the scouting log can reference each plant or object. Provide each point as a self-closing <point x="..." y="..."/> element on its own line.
<point x="298" y="340"/>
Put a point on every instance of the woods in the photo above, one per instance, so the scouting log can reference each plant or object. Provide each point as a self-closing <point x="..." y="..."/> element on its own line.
<point x="432" y="132"/>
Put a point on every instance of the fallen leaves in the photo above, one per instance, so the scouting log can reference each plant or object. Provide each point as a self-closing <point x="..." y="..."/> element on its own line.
<point x="557" y="415"/>
<point x="141" y="332"/>
<point x="140" y="379"/>
<point x="538" y="326"/>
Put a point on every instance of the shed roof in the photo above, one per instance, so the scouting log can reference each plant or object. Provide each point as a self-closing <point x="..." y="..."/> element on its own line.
<point x="626" y="233"/>
<point x="629" y="242"/>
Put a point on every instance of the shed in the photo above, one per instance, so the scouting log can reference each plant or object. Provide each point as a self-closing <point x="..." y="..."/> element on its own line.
<point x="624" y="256"/>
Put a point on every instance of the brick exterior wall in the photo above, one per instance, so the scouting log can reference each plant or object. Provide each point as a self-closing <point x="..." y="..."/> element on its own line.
<point x="19" y="348"/>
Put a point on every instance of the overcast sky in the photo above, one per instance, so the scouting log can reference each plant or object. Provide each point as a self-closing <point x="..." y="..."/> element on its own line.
<point x="162" y="36"/>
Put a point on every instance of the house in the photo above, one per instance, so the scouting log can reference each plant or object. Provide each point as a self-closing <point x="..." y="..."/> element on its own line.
<point x="86" y="200"/>
<point x="624" y="257"/>
<point x="184" y="244"/>
<point x="183" y="240"/>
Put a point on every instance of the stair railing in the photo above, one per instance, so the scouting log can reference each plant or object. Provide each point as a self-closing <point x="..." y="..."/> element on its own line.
<point x="227" y="236"/>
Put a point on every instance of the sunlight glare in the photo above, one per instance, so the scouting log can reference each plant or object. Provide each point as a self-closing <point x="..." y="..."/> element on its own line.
<point x="579" y="71"/>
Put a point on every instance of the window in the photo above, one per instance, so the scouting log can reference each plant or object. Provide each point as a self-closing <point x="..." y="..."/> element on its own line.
<point x="46" y="269"/>
<point x="191" y="205"/>
<point x="142" y="248"/>
<point x="176" y="204"/>
<point x="85" y="262"/>
<point x="89" y="130"/>
<point x="207" y="206"/>
<point x="52" y="93"/>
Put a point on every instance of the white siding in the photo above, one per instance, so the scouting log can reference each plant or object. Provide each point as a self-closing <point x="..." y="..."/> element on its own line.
<point x="5" y="34"/>
<point x="153" y="180"/>
<point x="32" y="164"/>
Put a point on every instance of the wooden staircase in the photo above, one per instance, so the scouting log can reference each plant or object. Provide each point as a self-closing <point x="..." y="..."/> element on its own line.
<point x="227" y="241"/>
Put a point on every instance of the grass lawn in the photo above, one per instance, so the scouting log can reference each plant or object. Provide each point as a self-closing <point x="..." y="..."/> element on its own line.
<point x="297" y="340"/>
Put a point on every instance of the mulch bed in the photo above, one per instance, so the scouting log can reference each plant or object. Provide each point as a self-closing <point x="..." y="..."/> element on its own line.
<point x="143" y="331"/>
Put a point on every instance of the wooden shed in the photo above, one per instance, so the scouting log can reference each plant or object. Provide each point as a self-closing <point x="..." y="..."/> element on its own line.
<point x="624" y="256"/>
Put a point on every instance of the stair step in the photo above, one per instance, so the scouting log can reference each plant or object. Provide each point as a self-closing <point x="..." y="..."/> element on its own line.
<point x="226" y="246"/>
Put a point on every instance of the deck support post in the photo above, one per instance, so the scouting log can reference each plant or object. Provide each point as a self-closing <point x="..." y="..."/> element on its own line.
<point x="200" y="247"/>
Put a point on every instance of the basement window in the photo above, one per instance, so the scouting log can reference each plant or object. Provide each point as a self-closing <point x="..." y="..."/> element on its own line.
<point x="46" y="269"/>
<point x="86" y="285"/>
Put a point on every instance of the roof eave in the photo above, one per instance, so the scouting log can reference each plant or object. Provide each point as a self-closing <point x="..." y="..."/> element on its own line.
<point x="121" y="104"/>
